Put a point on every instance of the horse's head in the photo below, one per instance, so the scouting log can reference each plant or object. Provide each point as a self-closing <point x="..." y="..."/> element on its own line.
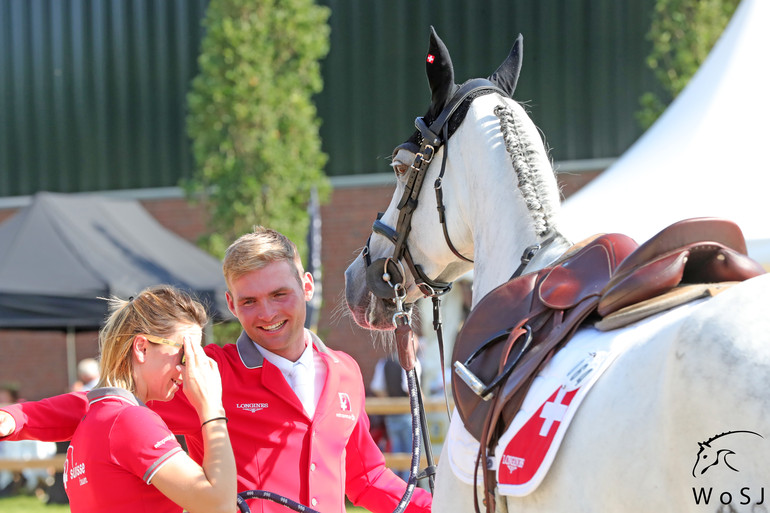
<point x="714" y="451"/>
<point x="708" y="457"/>
<point x="446" y="191"/>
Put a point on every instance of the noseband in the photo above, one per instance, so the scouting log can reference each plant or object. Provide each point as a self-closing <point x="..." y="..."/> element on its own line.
<point x="385" y="276"/>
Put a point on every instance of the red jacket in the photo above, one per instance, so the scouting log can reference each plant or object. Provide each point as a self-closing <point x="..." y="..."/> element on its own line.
<point x="277" y="448"/>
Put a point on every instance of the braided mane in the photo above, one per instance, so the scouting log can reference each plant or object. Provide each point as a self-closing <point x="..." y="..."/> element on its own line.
<point x="530" y="179"/>
<point x="729" y="433"/>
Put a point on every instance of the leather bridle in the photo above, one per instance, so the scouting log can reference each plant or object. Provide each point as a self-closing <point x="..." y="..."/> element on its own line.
<point x="385" y="276"/>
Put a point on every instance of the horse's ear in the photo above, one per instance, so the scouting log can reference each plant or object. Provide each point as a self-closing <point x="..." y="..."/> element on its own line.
<point x="507" y="75"/>
<point x="438" y="67"/>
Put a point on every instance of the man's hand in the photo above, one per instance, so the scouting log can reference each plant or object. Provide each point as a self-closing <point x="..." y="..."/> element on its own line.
<point x="7" y="424"/>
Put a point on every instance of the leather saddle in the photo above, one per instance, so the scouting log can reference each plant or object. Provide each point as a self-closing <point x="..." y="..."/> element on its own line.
<point x="516" y="328"/>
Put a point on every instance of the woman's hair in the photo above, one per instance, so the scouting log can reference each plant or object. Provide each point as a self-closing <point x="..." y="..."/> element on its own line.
<point x="257" y="249"/>
<point x="155" y="311"/>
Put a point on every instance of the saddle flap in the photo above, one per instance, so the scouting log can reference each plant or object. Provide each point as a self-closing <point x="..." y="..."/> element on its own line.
<point x="586" y="272"/>
<point x="582" y="276"/>
<point x="539" y="300"/>
<point x="500" y="311"/>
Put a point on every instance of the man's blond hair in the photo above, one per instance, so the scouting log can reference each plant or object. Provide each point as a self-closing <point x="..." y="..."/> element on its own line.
<point x="256" y="250"/>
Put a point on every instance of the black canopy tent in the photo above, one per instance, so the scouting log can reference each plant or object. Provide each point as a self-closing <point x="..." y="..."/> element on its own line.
<point x="63" y="253"/>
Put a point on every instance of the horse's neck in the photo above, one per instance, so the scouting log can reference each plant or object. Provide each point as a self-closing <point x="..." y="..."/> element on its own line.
<point x="490" y="273"/>
<point x="516" y="198"/>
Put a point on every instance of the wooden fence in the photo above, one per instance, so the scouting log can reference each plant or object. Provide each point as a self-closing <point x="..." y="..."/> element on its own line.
<point x="374" y="406"/>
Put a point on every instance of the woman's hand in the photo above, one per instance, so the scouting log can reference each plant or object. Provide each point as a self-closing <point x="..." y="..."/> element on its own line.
<point x="202" y="382"/>
<point x="212" y="486"/>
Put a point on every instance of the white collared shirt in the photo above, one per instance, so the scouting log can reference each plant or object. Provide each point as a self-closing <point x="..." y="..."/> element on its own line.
<point x="309" y="362"/>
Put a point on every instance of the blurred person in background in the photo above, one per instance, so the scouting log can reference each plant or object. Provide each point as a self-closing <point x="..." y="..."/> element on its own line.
<point x="88" y="375"/>
<point x="389" y="380"/>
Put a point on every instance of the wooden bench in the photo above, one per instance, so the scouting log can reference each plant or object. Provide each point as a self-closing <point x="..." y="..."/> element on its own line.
<point x="55" y="462"/>
<point x="400" y="405"/>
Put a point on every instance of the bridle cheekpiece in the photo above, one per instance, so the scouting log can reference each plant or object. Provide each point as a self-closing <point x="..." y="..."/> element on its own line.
<point x="385" y="276"/>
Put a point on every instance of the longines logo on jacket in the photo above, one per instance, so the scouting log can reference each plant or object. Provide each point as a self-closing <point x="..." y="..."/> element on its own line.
<point x="252" y="407"/>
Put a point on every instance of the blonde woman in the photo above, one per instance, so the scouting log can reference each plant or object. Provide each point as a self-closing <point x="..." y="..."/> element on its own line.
<point x="123" y="457"/>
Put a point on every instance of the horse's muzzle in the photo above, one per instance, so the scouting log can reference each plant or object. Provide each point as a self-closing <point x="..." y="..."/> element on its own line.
<point x="382" y="276"/>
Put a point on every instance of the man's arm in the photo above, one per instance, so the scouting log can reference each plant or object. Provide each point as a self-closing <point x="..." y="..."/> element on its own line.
<point x="372" y="485"/>
<point x="49" y="420"/>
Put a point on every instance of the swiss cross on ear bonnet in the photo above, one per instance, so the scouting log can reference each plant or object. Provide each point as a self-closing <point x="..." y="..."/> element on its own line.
<point x="438" y="67"/>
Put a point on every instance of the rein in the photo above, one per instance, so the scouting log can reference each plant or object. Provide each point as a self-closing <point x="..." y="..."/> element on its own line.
<point x="270" y="496"/>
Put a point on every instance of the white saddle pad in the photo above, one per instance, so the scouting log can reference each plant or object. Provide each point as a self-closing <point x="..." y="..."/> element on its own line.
<point x="526" y="450"/>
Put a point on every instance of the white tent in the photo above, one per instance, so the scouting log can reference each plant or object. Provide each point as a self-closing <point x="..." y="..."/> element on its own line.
<point x="707" y="155"/>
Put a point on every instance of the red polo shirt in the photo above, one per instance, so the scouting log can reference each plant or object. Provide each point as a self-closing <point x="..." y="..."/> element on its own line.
<point x="116" y="450"/>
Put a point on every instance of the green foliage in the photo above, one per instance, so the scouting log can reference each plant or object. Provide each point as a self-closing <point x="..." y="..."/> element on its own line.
<point x="226" y="332"/>
<point x="252" y="121"/>
<point x="682" y="34"/>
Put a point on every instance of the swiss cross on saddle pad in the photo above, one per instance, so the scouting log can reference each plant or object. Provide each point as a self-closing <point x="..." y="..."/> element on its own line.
<point x="524" y="454"/>
<point x="527" y="449"/>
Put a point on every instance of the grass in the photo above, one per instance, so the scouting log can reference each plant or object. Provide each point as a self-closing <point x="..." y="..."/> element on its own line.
<point x="31" y="504"/>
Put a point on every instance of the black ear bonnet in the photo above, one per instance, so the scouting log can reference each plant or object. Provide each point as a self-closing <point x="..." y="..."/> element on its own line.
<point x="440" y="73"/>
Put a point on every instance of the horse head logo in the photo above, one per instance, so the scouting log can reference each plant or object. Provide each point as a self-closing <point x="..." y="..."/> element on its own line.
<point x="714" y="451"/>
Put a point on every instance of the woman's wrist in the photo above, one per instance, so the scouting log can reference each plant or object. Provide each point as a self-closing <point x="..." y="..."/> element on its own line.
<point x="221" y="418"/>
<point x="209" y="413"/>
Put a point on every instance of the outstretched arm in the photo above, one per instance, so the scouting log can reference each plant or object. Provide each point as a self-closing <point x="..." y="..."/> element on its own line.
<point x="49" y="420"/>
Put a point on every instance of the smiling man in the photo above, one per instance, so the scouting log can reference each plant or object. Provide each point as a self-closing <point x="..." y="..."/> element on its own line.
<point x="295" y="407"/>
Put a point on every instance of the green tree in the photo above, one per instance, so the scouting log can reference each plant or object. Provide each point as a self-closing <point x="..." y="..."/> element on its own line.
<point x="682" y="34"/>
<point x="252" y="120"/>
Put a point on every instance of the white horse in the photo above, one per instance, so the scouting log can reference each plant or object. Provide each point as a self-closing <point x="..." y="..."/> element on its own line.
<point x="635" y="443"/>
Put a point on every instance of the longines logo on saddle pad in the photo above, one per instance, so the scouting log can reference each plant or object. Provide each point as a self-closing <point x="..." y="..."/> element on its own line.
<point x="720" y="459"/>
